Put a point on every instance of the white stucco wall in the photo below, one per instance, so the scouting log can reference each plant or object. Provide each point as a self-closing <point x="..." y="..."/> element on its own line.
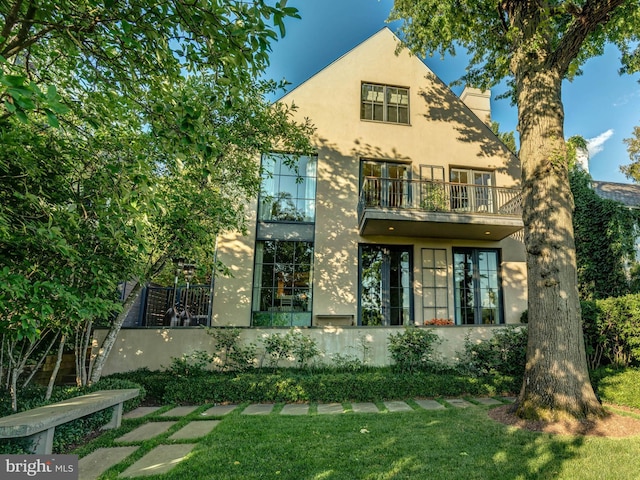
<point x="155" y="348"/>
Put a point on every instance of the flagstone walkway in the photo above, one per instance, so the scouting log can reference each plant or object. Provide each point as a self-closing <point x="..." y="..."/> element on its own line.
<point x="163" y="458"/>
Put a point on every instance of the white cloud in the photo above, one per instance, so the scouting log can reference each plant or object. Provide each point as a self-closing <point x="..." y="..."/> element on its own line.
<point x="596" y="144"/>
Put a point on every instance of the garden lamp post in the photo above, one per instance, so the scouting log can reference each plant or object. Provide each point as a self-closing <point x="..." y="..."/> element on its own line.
<point x="188" y="270"/>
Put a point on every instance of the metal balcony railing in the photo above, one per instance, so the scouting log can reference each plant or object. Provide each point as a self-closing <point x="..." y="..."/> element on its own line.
<point x="430" y="196"/>
<point x="191" y="306"/>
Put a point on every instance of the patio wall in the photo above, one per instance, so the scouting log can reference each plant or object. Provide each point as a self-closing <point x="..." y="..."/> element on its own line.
<point x="155" y="347"/>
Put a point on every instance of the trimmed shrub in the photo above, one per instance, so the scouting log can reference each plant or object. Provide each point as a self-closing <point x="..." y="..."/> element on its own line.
<point x="413" y="348"/>
<point x="232" y="355"/>
<point x="294" y="385"/>
<point x="153" y="382"/>
<point x="611" y="329"/>
<point x="505" y="353"/>
<point x="192" y="364"/>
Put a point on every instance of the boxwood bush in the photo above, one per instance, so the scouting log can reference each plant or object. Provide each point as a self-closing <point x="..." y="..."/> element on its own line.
<point x="319" y="385"/>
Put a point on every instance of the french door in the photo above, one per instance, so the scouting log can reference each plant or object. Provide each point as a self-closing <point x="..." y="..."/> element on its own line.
<point x="386" y="183"/>
<point x="385" y="285"/>
<point x="471" y="191"/>
<point x="477" y="286"/>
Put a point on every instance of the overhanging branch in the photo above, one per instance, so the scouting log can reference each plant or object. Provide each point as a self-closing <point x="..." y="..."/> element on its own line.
<point x="593" y="14"/>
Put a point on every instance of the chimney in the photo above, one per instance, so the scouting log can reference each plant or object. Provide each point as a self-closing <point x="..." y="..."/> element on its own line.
<point x="582" y="158"/>
<point x="479" y="102"/>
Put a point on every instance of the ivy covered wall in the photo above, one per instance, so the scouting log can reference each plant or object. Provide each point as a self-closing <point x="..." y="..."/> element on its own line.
<point x="606" y="234"/>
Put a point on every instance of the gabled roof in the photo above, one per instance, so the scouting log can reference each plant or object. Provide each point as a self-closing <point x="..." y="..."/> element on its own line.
<point x="383" y="32"/>
<point x="625" y="193"/>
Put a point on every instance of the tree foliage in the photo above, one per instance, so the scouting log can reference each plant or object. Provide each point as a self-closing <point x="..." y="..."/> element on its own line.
<point x="632" y="171"/>
<point x="499" y="34"/>
<point x="53" y="49"/>
<point x="508" y="138"/>
<point x="129" y="134"/>
<point x="535" y="46"/>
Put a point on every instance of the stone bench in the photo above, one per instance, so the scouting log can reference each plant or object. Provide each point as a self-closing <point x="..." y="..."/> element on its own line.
<point x="39" y="424"/>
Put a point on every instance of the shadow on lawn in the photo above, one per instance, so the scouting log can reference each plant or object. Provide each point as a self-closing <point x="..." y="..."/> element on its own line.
<point x="450" y="444"/>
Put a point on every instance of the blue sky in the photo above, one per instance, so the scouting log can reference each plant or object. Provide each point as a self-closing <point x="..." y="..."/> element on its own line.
<point x="601" y="106"/>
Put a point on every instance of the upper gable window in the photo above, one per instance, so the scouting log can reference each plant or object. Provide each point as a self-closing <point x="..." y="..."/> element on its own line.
<point x="383" y="103"/>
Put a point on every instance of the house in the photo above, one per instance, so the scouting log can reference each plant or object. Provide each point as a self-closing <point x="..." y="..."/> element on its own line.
<point x="628" y="194"/>
<point x="409" y="213"/>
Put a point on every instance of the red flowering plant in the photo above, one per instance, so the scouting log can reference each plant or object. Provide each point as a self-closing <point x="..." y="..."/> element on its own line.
<point x="439" y="321"/>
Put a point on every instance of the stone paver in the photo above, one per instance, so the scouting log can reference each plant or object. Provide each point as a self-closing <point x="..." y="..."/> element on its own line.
<point x="159" y="460"/>
<point x="458" y="402"/>
<point x="146" y="431"/>
<point x="330" y="408"/>
<point x="140" y="412"/>
<point x="219" y="411"/>
<point x="398" y="406"/>
<point x="487" y="401"/>
<point x="430" y="404"/>
<point x="509" y="399"/>
<point x="295" y="409"/>
<point x="100" y="460"/>
<point x="195" y="429"/>
<point x="180" y="411"/>
<point x="365" y="407"/>
<point x="258" y="409"/>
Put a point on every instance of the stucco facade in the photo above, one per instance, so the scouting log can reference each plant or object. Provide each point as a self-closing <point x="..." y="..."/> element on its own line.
<point x="444" y="251"/>
<point x="442" y="130"/>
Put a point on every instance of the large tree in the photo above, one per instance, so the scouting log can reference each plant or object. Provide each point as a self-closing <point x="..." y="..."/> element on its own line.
<point x="536" y="45"/>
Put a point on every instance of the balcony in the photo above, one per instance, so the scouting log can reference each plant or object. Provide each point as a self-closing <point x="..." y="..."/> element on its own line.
<point x="418" y="208"/>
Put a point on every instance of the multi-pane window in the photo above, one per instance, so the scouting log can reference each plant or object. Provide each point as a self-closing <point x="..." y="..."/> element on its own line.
<point x="288" y="191"/>
<point x="385" y="184"/>
<point x="282" y="283"/>
<point x="433" y="191"/>
<point x="472" y="190"/>
<point x="432" y="173"/>
<point x="435" y="291"/>
<point x="384" y="103"/>
<point x="284" y="241"/>
<point x="385" y="285"/>
<point x="477" y="289"/>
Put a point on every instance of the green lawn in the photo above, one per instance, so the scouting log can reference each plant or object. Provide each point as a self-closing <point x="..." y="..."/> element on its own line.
<point x="446" y="444"/>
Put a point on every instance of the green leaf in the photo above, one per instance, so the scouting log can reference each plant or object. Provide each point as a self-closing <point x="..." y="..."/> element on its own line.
<point x="52" y="120"/>
<point x="22" y="116"/>
<point x="12" y="80"/>
<point x="52" y="93"/>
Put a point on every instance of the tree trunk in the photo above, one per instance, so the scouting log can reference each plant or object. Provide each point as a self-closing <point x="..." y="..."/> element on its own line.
<point x="556" y="380"/>
<point x="110" y="339"/>
<point x="56" y="368"/>
<point x="82" y="342"/>
<point x="13" y="389"/>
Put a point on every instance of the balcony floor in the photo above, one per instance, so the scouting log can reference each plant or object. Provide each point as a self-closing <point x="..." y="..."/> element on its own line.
<point x="419" y="223"/>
